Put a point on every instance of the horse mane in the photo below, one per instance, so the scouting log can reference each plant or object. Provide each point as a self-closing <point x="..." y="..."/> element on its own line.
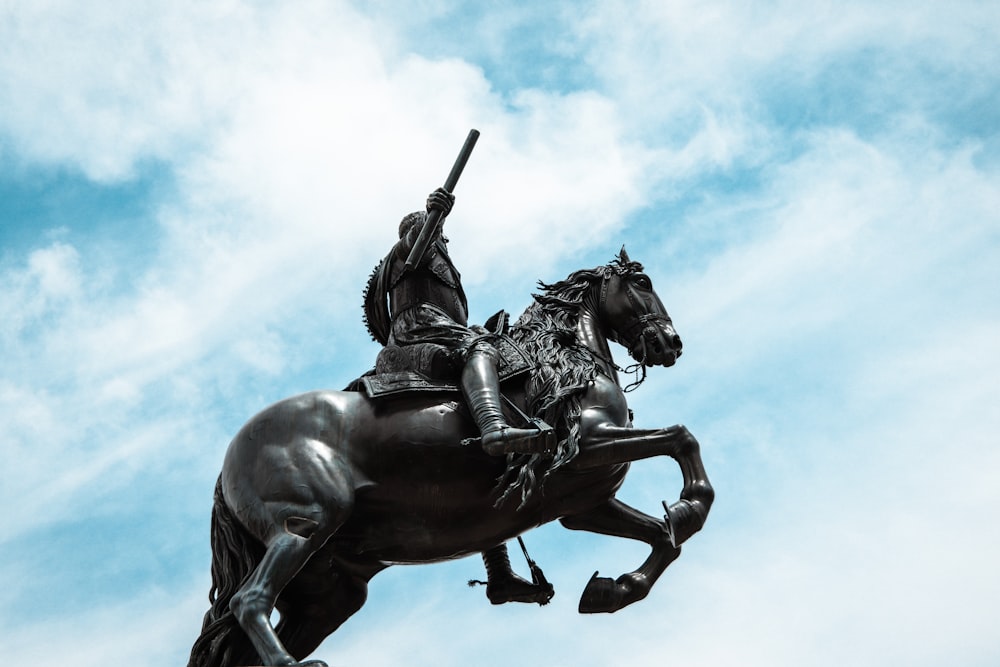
<point x="563" y="370"/>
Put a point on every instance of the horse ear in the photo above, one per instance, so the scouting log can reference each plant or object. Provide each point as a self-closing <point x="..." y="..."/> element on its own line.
<point x="623" y="256"/>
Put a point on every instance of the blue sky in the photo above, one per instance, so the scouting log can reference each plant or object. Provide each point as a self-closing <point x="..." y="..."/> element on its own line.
<point x="192" y="195"/>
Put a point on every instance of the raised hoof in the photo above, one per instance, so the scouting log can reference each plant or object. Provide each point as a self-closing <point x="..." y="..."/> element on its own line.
<point x="520" y="590"/>
<point x="682" y="521"/>
<point x="600" y="596"/>
<point x="604" y="595"/>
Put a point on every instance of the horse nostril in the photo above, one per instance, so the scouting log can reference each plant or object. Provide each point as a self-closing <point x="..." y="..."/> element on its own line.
<point x="676" y="342"/>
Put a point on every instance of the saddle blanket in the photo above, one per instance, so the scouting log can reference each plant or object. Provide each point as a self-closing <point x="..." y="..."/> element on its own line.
<point x="513" y="362"/>
<point x="389" y="384"/>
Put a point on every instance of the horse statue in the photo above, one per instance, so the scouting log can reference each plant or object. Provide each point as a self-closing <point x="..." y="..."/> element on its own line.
<point x="320" y="492"/>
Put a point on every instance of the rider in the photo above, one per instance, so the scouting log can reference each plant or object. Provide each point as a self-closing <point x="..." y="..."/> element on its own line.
<point x="427" y="305"/>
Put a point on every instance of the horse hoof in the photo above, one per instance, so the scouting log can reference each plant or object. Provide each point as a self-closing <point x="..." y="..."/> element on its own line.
<point x="682" y="521"/>
<point x="601" y="596"/>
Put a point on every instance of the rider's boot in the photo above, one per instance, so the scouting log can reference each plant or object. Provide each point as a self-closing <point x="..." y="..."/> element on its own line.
<point x="503" y="585"/>
<point x="481" y="385"/>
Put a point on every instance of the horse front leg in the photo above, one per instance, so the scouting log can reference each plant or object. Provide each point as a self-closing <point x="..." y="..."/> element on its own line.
<point x="614" y="517"/>
<point x="603" y="443"/>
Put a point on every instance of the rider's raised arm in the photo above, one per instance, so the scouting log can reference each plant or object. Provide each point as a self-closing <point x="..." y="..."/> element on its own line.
<point x="420" y="246"/>
<point x="439" y="200"/>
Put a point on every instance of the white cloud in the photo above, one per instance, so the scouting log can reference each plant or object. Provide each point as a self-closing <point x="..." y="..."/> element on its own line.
<point x="149" y="629"/>
<point x="49" y="279"/>
<point x="855" y="244"/>
<point x="685" y="54"/>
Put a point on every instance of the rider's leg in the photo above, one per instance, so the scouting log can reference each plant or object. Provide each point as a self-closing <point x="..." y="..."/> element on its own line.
<point x="503" y="585"/>
<point x="481" y="385"/>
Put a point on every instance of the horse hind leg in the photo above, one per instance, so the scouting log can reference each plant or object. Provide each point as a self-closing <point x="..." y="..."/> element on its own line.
<point x="614" y="517"/>
<point x="312" y="616"/>
<point x="299" y="528"/>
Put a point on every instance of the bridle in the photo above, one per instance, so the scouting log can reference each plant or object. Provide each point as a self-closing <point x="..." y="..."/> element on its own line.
<point x="633" y="336"/>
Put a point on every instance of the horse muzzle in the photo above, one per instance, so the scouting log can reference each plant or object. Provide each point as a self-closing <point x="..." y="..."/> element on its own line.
<point x="656" y="346"/>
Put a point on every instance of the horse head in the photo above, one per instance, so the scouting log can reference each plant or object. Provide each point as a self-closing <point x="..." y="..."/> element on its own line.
<point x="633" y="315"/>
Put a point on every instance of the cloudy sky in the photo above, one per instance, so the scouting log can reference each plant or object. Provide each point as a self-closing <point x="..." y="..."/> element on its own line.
<point x="192" y="195"/>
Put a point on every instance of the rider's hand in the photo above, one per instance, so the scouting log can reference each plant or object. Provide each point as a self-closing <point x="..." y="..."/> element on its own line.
<point x="440" y="200"/>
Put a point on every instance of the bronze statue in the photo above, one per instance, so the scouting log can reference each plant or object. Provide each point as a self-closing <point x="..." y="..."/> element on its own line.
<point x="320" y="492"/>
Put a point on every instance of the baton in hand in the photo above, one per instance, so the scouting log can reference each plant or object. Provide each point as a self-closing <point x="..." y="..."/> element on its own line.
<point x="434" y="217"/>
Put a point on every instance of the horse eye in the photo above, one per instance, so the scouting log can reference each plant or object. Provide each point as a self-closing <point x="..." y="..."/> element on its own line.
<point x="643" y="282"/>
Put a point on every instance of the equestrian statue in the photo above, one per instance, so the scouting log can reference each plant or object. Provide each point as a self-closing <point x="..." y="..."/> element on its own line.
<point x="461" y="438"/>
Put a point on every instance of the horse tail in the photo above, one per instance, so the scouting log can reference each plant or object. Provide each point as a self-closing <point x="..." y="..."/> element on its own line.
<point x="235" y="555"/>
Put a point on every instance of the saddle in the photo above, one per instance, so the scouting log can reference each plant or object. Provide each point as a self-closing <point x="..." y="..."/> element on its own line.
<point x="429" y="367"/>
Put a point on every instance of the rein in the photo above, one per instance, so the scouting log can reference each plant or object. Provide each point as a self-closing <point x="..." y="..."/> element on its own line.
<point x="634" y="369"/>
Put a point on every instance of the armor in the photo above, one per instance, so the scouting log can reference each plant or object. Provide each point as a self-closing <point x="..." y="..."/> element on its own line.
<point x="427" y="305"/>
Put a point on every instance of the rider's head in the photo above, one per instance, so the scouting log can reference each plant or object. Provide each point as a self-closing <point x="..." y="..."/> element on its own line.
<point x="409" y="221"/>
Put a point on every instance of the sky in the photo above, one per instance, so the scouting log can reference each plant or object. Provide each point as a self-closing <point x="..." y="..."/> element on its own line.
<point x="192" y="195"/>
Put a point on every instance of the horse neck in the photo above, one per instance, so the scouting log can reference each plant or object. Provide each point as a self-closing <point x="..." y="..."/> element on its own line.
<point x="590" y="334"/>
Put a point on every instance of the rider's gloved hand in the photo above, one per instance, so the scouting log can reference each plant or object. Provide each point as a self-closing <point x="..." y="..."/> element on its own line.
<point x="440" y="200"/>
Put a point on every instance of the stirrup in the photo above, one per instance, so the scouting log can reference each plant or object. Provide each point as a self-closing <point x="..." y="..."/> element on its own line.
<point x="540" y="439"/>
